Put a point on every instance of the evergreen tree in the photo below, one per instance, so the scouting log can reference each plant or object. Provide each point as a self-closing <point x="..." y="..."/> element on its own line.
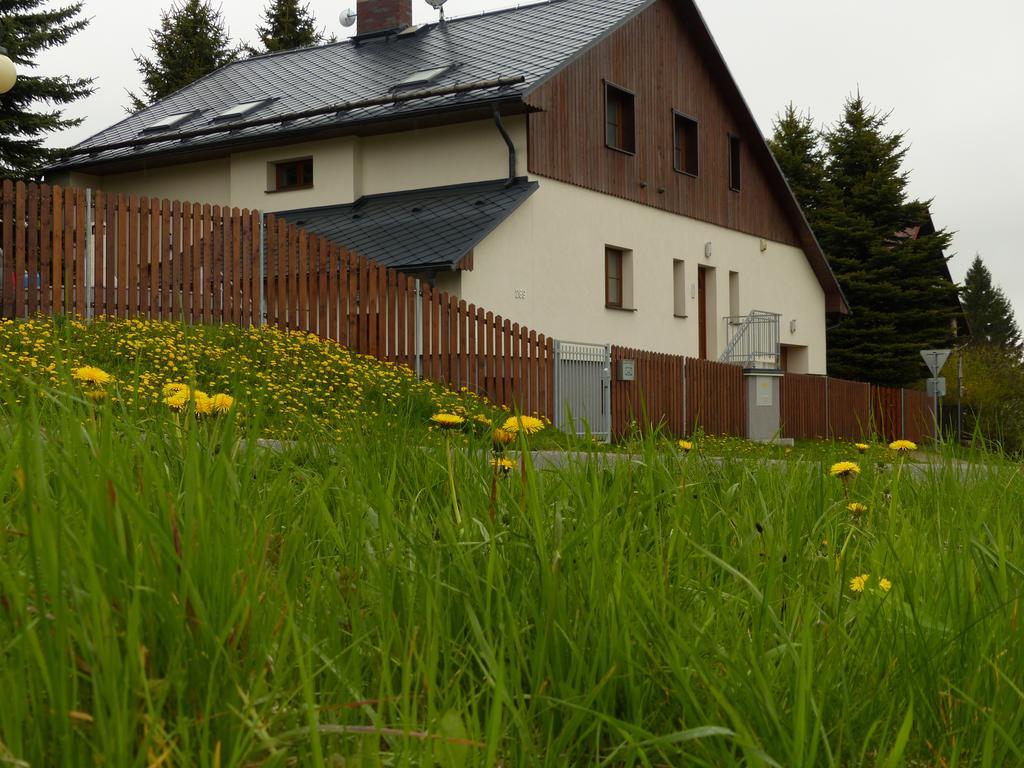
<point x="287" y="25"/>
<point x="796" y="144"/>
<point x="901" y="304"/>
<point x="988" y="311"/>
<point x="192" y="41"/>
<point x="31" y="110"/>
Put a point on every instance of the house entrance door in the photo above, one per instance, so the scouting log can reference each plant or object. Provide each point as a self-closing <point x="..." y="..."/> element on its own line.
<point x="702" y="311"/>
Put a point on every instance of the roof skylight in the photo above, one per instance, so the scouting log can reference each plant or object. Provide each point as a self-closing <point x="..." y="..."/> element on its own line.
<point x="240" y="110"/>
<point x="171" y="121"/>
<point x="422" y="76"/>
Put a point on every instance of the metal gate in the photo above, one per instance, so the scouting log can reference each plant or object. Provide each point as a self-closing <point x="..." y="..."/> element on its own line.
<point x="583" y="389"/>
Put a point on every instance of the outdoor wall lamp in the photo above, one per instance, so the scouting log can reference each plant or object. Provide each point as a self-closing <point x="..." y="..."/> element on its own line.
<point x="8" y="74"/>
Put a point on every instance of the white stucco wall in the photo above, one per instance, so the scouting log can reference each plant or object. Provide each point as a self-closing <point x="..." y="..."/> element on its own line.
<point x="551" y="251"/>
<point x="344" y="169"/>
<point x="206" y="182"/>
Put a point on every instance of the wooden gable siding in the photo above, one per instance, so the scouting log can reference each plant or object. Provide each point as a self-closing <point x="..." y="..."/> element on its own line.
<point x="655" y="57"/>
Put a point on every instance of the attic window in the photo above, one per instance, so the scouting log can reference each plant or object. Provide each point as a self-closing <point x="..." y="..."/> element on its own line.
<point x="171" y="121"/>
<point x="620" y="119"/>
<point x="685" y="158"/>
<point x="240" y="110"/>
<point x="422" y="76"/>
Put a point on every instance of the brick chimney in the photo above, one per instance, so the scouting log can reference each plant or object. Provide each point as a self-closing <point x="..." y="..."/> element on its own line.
<point x="382" y="15"/>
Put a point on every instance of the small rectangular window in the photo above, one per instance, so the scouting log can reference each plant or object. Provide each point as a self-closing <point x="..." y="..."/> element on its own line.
<point x="734" y="294"/>
<point x="620" y="119"/>
<point x="734" y="163"/>
<point x="685" y="144"/>
<point x="613" y="277"/>
<point x="679" y="287"/>
<point x="292" y="174"/>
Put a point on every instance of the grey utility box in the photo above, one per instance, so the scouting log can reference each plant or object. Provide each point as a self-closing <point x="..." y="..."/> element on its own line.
<point x="627" y="370"/>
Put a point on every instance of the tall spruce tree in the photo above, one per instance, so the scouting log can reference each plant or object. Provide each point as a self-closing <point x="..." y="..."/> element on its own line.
<point x="31" y="110"/>
<point x="287" y="24"/>
<point x="796" y="144"/>
<point x="192" y="41"/>
<point x="988" y="311"/>
<point x="901" y="301"/>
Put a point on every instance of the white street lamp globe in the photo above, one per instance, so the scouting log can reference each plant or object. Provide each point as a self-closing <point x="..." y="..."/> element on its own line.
<point x="8" y="74"/>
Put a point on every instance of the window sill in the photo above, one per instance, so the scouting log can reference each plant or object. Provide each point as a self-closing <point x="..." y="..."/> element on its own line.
<point x="686" y="173"/>
<point x="288" y="189"/>
<point x="628" y="152"/>
<point x="620" y="309"/>
<point x="734" y="189"/>
<point x="681" y="317"/>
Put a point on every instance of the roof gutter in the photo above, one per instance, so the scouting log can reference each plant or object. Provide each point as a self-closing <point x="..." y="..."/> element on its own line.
<point x="345" y="106"/>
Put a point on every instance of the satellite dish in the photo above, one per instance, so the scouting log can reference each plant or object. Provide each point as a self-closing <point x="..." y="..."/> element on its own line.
<point x="438" y="5"/>
<point x="347" y="18"/>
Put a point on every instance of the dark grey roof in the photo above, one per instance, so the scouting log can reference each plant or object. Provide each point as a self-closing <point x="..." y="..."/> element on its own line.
<point x="530" y="42"/>
<point x="419" y="230"/>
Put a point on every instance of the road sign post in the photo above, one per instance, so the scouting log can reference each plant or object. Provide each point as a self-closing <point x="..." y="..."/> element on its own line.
<point x="935" y="359"/>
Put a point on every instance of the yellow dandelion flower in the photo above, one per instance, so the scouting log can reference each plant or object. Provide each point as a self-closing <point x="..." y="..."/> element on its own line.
<point x="857" y="583"/>
<point x="862" y="447"/>
<point x="174" y="388"/>
<point x="845" y="469"/>
<point x="504" y="466"/>
<point x="96" y="394"/>
<point x="856" y="508"/>
<point x="177" y="401"/>
<point x="685" y="446"/>
<point x="222" y="403"/>
<point x="526" y="424"/>
<point x="203" y="403"/>
<point x="885" y="585"/>
<point x="902" y="446"/>
<point x="501" y="438"/>
<point x="90" y="374"/>
<point x="447" y="420"/>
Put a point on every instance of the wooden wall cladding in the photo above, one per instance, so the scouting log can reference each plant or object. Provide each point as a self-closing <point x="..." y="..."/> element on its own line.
<point x="654" y="56"/>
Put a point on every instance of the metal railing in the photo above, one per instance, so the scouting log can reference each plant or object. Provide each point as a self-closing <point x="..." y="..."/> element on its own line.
<point x="753" y="340"/>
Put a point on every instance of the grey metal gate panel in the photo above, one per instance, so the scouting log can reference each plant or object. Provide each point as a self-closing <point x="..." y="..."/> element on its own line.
<point x="583" y="388"/>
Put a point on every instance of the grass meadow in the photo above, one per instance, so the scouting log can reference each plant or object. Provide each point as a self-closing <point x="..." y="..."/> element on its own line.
<point x="173" y="593"/>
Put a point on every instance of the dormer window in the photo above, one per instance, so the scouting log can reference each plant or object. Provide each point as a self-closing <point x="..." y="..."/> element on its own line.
<point x="171" y="121"/>
<point x="620" y="119"/>
<point x="240" y="110"/>
<point x="289" y="175"/>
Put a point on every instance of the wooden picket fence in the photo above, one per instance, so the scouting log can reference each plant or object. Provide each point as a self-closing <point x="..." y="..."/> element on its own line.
<point x="827" y="408"/>
<point x="90" y="254"/>
<point x="317" y="286"/>
<point x="683" y="394"/>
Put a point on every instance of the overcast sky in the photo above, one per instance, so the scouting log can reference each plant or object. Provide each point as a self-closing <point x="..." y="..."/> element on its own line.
<point x="950" y="73"/>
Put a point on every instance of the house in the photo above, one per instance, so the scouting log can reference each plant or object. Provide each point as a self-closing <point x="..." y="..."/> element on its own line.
<point x="586" y="167"/>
